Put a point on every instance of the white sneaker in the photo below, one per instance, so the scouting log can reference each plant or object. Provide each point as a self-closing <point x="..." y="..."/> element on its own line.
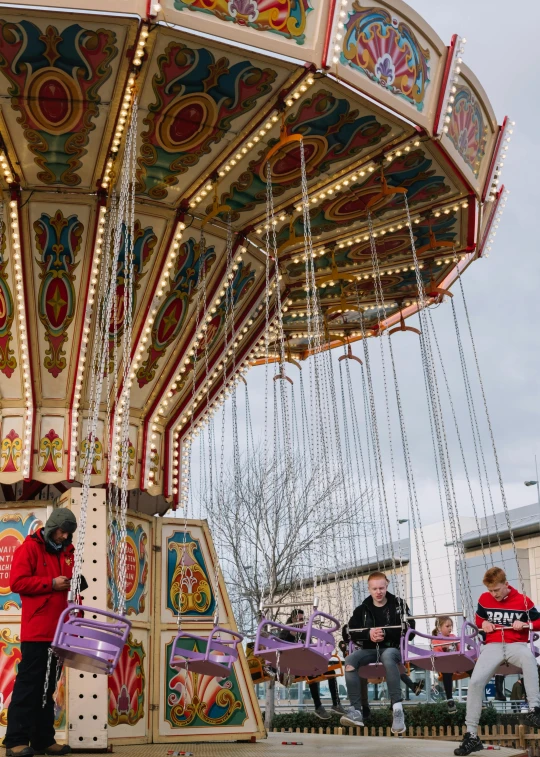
<point x="353" y="717"/>
<point x="398" y="723"/>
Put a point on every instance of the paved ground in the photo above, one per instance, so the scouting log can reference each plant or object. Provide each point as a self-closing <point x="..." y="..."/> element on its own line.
<point x="312" y="745"/>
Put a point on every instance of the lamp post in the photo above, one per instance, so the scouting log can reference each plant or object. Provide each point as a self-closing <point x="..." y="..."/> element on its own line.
<point x="532" y="483"/>
<point x="407" y="520"/>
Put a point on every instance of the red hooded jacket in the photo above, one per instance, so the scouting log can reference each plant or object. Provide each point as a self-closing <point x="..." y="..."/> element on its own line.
<point x="514" y="606"/>
<point x="32" y="573"/>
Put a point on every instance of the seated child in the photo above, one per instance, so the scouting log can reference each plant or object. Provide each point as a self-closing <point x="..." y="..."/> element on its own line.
<point x="444" y="627"/>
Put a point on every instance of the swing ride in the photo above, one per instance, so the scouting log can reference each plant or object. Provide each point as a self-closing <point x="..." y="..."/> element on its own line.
<point x="189" y="191"/>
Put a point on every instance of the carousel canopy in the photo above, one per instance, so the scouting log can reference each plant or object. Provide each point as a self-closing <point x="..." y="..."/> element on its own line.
<point x="378" y="99"/>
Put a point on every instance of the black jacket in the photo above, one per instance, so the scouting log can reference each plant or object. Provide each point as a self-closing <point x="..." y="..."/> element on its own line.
<point x="363" y="617"/>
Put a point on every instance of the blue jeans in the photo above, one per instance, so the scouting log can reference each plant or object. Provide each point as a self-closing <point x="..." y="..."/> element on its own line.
<point x="389" y="657"/>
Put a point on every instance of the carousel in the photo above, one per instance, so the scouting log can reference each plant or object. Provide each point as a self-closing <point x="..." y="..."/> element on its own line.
<point x="189" y="189"/>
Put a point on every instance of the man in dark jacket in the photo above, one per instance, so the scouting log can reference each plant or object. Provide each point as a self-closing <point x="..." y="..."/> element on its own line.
<point x="377" y="624"/>
<point x="41" y="573"/>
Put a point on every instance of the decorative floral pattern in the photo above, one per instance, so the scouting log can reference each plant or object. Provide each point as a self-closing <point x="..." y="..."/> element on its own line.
<point x="467" y="129"/>
<point x="194" y="700"/>
<point x="196" y="100"/>
<point x="387" y="51"/>
<point x="98" y="456"/>
<point x="187" y="577"/>
<point x="172" y="313"/>
<point x="11" y="452"/>
<point x="284" y="17"/>
<point x="14" y="528"/>
<point x="50" y="449"/>
<point x="55" y="79"/>
<point x="127" y="685"/>
<point x="58" y="240"/>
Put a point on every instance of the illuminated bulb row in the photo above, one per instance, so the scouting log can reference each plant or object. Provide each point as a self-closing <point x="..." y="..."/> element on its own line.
<point x="451" y="88"/>
<point x="338" y="186"/>
<point x="495" y="224"/>
<point x="495" y="176"/>
<point x="381" y="232"/>
<point x="340" y="28"/>
<point x="398" y="153"/>
<point x="448" y="209"/>
<point x="141" y="44"/>
<point x="23" y="335"/>
<point x="147" y="329"/>
<point x="253" y="140"/>
<point x="447" y="261"/>
<point x="153" y="450"/>
<point x="90" y="298"/>
<point x="120" y="127"/>
<point x="4" y="167"/>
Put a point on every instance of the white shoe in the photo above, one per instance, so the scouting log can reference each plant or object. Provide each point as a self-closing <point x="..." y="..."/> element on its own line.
<point x="353" y="717"/>
<point x="398" y="722"/>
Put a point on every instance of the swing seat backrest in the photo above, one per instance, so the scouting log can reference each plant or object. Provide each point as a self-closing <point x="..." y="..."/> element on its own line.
<point x="307" y="656"/>
<point x="432" y="658"/>
<point x="218" y="658"/>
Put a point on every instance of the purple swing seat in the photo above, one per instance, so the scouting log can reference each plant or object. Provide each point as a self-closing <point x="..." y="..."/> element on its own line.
<point x="461" y="661"/>
<point x="372" y="669"/>
<point x="308" y="657"/>
<point x="89" y="644"/>
<point x="216" y="661"/>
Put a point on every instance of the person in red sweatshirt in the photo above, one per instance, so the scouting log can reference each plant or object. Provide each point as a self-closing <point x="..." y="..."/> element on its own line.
<point x="505" y="616"/>
<point x="41" y="571"/>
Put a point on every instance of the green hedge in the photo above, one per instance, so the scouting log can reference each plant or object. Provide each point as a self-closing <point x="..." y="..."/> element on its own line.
<point x="415" y="715"/>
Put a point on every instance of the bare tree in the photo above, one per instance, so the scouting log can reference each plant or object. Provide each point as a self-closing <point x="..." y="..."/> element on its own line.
<point x="275" y="524"/>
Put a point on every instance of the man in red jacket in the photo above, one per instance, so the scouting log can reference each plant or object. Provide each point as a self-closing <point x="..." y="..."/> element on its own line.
<point x="505" y="616"/>
<point x="41" y="571"/>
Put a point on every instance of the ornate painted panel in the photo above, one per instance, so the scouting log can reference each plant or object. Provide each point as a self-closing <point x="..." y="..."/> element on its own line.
<point x="137" y="571"/>
<point x="59" y="238"/>
<point x="472" y="130"/>
<point x="194" y="704"/>
<point x="393" y="56"/>
<point x="15" y="526"/>
<point x="129" y="689"/>
<point x="99" y="465"/>
<point x="190" y="579"/>
<point x="196" y="100"/>
<point x="148" y="236"/>
<point x="288" y="27"/>
<point x="57" y="78"/>
<point x="11" y="447"/>
<point x="175" y="312"/>
<point x="194" y="701"/>
<point x="334" y="130"/>
<point x="51" y="447"/>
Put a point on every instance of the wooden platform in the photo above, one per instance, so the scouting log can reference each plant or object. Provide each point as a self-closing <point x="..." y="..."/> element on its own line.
<point x="312" y="745"/>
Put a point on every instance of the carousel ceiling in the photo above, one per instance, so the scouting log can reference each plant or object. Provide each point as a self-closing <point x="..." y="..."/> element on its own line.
<point x="376" y="97"/>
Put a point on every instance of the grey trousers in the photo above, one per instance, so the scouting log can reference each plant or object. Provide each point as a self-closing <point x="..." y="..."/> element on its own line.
<point x="491" y="656"/>
<point x="389" y="657"/>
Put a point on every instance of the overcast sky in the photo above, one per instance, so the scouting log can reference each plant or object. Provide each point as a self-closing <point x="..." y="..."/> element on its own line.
<point x="502" y="291"/>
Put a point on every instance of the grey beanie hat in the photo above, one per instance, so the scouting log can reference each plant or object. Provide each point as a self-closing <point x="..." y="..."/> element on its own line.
<point x="62" y="518"/>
